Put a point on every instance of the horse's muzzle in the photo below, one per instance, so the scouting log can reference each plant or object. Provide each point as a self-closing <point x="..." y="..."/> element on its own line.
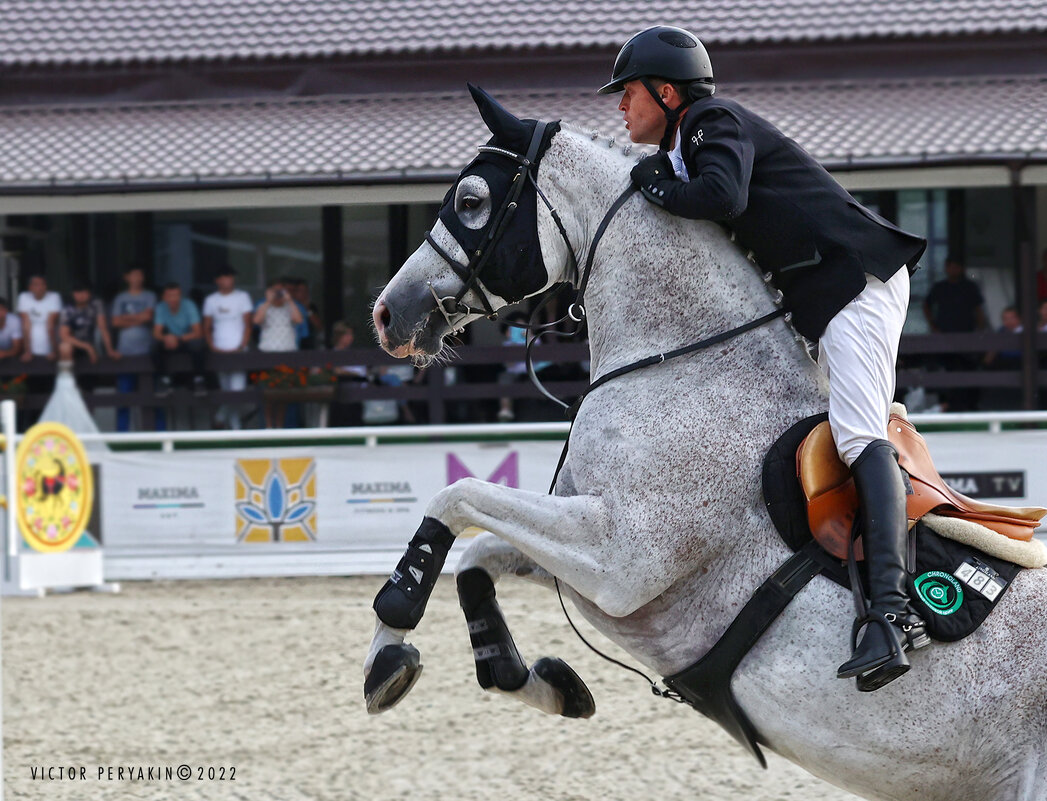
<point x="407" y="324"/>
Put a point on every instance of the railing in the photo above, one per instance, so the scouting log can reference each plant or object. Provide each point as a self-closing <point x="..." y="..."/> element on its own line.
<point x="371" y="436"/>
<point x="435" y="393"/>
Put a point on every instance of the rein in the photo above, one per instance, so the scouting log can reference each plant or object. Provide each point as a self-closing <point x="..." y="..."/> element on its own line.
<point x="576" y="312"/>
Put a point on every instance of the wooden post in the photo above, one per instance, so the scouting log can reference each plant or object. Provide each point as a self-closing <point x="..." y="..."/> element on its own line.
<point x="1026" y="286"/>
<point x="333" y="285"/>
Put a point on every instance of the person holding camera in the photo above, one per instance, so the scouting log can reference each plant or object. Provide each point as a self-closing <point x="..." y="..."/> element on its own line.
<point x="276" y="318"/>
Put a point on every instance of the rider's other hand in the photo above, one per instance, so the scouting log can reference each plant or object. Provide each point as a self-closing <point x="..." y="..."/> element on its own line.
<point x="653" y="175"/>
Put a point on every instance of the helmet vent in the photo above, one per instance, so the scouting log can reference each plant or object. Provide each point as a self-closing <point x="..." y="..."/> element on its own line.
<point x="623" y="60"/>
<point x="677" y="39"/>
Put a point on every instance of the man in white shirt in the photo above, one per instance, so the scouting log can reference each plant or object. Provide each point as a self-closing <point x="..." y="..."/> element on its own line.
<point x="10" y="333"/>
<point x="227" y="328"/>
<point x="39" y="310"/>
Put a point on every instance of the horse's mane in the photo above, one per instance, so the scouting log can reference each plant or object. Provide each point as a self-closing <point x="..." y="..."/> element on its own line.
<point x="624" y="150"/>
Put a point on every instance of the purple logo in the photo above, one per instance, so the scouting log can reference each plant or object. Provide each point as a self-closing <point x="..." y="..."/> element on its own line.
<point x="507" y="472"/>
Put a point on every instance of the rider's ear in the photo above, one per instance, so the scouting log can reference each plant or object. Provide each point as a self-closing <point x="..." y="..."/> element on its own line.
<point x="505" y="127"/>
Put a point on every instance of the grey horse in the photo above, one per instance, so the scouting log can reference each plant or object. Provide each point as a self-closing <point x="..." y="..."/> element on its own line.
<point x="657" y="531"/>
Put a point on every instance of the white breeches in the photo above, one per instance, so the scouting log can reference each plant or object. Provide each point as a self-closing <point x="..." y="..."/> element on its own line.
<point x="858" y="352"/>
<point x="228" y="413"/>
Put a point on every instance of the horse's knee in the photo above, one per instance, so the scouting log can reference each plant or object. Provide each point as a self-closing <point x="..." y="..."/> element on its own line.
<point x="445" y="505"/>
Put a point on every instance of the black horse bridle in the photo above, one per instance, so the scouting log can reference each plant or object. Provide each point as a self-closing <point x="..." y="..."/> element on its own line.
<point x="470" y="273"/>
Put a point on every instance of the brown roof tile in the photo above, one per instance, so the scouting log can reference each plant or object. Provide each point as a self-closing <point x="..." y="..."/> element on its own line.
<point x="122" y="31"/>
<point x="356" y="139"/>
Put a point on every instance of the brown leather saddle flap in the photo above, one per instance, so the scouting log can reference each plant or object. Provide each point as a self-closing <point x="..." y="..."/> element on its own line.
<point x="832" y="501"/>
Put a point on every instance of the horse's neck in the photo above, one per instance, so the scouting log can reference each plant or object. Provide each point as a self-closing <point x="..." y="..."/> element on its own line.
<point x="661" y="282"/>
<point x="658" y="282"/>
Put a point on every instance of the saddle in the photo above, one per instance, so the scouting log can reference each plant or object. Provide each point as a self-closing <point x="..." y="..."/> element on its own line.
<point x="832" y="500"/>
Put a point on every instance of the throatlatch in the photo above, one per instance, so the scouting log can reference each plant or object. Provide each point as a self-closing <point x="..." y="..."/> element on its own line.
<point x="400" y="604"/>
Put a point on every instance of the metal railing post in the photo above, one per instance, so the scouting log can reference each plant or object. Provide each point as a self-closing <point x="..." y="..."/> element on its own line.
<point x="10" y="429"/>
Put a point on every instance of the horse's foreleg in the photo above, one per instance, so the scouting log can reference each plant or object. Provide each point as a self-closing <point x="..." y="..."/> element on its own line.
<point x="574" y="538"/>
<point x="577" y="538"/>
<point x="549" y="685"/>
<point x="392" y="667"/>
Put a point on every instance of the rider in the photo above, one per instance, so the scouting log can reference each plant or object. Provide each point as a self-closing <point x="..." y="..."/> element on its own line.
<point x="837" y="264"/>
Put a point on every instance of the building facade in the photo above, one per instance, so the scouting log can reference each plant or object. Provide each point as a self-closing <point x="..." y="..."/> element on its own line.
<point x="314" y="138"/>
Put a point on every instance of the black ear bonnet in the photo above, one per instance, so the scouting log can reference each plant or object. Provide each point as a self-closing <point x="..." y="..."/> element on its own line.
<point x="515" y="268"/>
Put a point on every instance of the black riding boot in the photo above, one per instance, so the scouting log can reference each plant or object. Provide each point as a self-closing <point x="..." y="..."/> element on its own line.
<point x="891" y="627"/>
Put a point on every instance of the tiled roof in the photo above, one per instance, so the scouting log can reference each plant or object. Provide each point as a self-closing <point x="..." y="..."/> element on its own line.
<point x="365" y="138"/>
<point x="120" y="31"/>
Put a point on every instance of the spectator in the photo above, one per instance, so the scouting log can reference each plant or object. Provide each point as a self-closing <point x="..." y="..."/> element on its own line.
<point x="310" y="330"/>
<point x="346" y="413"/>
<point x="227" y="329"/>
<point x="514" y="372"/>
<point x="344" y="336"/>
<point x="1043" y="316"/>
<point x="10" y="333"/>
<point x="132" y="315"/>
<point x="176" y="329"/>
<point x="277" y="317"/>
<point x="382" y="412"/>
<point x="39" y="310"/>
<point x="81" y="325"/>
<point x="1007" y="359"/>
<point x="955" y="305"/>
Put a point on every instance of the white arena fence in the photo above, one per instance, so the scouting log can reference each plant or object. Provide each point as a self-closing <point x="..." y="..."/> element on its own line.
<point x="217" y="504"/>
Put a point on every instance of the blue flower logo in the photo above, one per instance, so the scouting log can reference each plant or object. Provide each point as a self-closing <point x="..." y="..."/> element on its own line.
<point x="276" y="504"/>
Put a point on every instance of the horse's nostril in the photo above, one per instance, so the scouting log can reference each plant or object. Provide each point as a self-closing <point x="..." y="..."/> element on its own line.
<point x="381" y="317"/>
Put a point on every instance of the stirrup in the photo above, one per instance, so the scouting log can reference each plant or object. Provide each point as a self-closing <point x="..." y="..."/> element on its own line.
<point x="914" y="635"/>
<point x="894" y="659"/>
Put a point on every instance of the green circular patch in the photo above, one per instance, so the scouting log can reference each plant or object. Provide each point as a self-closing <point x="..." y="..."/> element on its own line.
<point x="942" y="593"/>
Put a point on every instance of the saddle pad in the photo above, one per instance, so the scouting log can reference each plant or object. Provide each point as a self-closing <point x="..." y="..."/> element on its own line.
<point x="955" y="586"/>
<point x="951" y="606"/>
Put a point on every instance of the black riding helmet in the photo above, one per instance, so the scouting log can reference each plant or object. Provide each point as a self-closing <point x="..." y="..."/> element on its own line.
<point x="671" y="54"/>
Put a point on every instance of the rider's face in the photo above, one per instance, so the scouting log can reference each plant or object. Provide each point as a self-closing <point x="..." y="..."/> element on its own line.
<point x="643" y="116"/>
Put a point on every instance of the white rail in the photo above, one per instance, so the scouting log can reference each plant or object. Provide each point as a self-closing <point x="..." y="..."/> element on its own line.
<point x="994" y="421"/>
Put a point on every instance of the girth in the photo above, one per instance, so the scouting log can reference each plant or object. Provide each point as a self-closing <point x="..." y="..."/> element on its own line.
<point x="706" y="685"/>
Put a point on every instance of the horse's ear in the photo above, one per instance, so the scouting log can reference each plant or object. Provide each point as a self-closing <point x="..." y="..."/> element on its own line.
<point x="504" y="126"/>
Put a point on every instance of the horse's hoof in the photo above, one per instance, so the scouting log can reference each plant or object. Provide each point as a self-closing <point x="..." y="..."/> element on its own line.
<point x="395" y="670"/>
<point x="577" y="700"/>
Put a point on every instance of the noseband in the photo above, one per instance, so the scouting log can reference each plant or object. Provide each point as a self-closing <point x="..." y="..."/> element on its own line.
<point x="453" y="310"/>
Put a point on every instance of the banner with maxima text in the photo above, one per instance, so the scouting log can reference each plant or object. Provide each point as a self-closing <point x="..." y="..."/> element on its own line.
<point x="288" y="511"/>
<point x="344" y="510"/>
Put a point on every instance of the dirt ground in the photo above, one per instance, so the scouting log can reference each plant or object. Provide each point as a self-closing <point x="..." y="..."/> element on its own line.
<point x="264" y="677"/>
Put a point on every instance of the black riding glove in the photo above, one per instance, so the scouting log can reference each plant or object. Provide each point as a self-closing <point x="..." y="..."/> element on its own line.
<point x="655" y="177"/>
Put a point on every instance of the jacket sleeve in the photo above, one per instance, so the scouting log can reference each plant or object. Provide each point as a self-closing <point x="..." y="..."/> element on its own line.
<point x="719" y="158"/>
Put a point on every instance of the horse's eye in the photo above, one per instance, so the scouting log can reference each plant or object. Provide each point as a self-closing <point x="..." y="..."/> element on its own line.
<point x="471" y="202"/>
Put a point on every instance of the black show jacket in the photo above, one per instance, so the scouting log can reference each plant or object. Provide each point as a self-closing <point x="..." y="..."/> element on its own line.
<point x="802" y="226"/>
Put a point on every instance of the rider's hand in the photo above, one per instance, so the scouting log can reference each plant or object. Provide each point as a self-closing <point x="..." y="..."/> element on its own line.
<point x="654" y="176"/>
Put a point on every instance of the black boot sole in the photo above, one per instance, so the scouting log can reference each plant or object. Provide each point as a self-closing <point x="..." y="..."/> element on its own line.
<point x="875" y="679"/>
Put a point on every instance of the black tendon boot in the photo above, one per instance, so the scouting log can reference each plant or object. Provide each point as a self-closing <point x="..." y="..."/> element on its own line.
<point x="890" y="626"/>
